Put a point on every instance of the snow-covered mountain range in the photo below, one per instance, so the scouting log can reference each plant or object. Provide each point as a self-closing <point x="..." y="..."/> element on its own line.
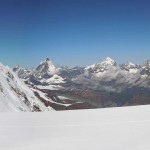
<point x="104" y="75"/>
<point x="18" y="93"/>
<point x="110" y="75"/>
<point x="47" y="87"/>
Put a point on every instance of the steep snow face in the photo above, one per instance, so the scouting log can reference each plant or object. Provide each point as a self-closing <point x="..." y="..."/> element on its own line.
<point x="15" y="95"/>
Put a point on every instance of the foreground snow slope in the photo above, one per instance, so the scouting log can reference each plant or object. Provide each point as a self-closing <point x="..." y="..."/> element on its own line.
<point x="15" y="95"/>
<point x="125" y="128"/>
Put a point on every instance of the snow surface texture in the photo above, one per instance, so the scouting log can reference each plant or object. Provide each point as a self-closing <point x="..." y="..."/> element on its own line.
<point x="126" y="128"/>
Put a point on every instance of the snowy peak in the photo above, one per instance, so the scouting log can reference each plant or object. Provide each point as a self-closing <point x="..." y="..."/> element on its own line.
<point x="103" y="64"/>
<point x="128" y="65"/>
<point x="46" y="66"/>
<point x="107" y="61"/>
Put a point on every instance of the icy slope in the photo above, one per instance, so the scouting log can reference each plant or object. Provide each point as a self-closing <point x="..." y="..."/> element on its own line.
<point x="15" y="95"/>
<point x="125" y="128"/>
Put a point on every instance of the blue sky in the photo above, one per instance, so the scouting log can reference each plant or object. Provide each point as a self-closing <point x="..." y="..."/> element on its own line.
<point x="73" y="32"/>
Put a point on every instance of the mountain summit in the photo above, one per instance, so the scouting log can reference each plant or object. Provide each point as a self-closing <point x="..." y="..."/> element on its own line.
<point x="45" y="70"/>
<point x="101" y="66"/>
<point x="107" y="61"/>
<point x="46" y="66"/>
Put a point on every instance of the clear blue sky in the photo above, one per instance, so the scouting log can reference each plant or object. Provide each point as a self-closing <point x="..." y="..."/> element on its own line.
<point x="74" y="32"/>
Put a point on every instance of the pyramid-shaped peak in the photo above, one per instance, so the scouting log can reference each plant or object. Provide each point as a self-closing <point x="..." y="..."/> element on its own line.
<point x="46" y="66"/>
<point x="108" y="61"/>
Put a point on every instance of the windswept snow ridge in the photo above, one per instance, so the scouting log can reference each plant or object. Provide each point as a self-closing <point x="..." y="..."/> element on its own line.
<point x="15" y="95"/>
